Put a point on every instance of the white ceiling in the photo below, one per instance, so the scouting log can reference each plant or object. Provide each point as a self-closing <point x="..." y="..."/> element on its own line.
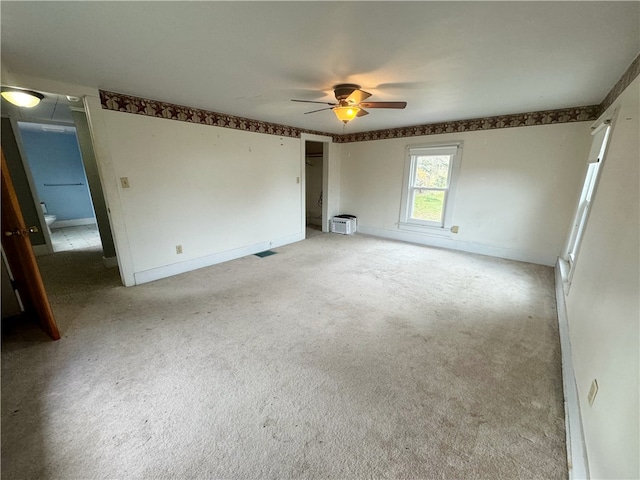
<point x="448" y="60"/>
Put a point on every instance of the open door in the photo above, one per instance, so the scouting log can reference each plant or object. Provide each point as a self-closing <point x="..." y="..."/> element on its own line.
<point x="22" y="261"/>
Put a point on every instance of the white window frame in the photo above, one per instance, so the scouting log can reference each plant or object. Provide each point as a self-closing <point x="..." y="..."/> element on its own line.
<point x="601" y="135"/>
<point x="454" y="150"/>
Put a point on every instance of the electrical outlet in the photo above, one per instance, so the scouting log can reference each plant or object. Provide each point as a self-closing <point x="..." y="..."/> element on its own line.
<point x="455" y="229"/>
<point x="178" y="249"/>
<point x="297" y="179"/>
<point x="593" y="391"/>
<point x="124" y="181"/>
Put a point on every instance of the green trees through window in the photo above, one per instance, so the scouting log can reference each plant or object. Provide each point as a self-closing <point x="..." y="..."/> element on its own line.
<point x="428" y="206"/>
<point x="427" y="188"/>
<point x="430" y="182"/>
<point x="432" y="171"/>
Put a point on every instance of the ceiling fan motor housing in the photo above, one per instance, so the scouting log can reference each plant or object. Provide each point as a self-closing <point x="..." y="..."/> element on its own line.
<point x="343" y="90"/>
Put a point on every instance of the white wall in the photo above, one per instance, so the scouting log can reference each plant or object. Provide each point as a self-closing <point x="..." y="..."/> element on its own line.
<point x="515" y="195"/>
<point x="603" y="304"/>
<point x="270" y="216"/>
<point x="220" y="193"/>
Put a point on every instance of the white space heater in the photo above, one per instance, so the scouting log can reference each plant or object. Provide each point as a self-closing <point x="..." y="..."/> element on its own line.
<point x="344" y="224"/>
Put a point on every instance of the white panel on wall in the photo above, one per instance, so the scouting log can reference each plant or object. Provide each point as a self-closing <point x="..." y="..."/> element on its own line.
<point x="515" y="195"/>
<point x="206" y="188"/>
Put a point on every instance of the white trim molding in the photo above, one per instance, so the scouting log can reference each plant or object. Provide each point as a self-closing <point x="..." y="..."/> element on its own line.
<point x="327" y="185"/>
<point x="576" y="448"/>
<point x="447" y="240"/>
<point x="453" y="150"/>
<point x="208" y="260"/>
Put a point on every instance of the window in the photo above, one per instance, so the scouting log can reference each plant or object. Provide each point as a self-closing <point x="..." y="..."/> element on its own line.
<point x="596" y="155"/>
<point x="430" y="176"/>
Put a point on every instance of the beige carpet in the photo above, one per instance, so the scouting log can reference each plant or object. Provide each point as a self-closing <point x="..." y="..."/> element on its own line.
<point x="339" y="357"/>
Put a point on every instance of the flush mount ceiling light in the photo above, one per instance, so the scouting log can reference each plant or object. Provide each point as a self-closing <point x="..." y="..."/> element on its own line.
<point x="22" y="98"/>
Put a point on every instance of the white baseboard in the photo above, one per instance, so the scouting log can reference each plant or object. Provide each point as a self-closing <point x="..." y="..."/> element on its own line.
<point x="110" y="262"/>
<point x="453" y="244"/>
<point x="39" y="250"/>
<point x="76" y="222"/>
<point x="196" y="263"/>
<point x="576" y="447"/>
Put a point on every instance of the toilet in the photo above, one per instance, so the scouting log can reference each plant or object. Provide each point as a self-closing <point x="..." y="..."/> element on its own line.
<point x="48" y="218"/>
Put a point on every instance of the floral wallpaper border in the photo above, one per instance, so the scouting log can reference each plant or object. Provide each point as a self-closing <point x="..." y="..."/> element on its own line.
<point x="627" y="77"/>
<point x="577" y="114"/>
<point x="120" y="102"/>
<point x="153" y="108"/>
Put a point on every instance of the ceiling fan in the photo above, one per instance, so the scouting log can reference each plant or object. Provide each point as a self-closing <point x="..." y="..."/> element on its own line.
<point x="350" y="102"/>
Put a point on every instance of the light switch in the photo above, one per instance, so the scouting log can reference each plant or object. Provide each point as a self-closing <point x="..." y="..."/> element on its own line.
<point x="124" y="181"/>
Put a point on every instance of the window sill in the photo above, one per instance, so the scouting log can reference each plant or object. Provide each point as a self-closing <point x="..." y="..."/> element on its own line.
<point x="425" y="229"/>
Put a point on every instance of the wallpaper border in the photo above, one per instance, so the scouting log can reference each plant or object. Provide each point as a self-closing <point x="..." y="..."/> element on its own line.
<point x="153" y="108"/>
<point x="120" y="102"/>
<point x="546" y="117"/>
<point x="627" y="77"/>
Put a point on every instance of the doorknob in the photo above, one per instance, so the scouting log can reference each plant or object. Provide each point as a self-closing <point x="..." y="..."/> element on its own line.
<point x="19" y="233"/>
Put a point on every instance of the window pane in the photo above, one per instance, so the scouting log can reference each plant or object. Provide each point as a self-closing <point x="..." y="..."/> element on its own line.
<point x="432" y="171"/>
<point x="583" y="210"/>
<point x="428" y="206"/>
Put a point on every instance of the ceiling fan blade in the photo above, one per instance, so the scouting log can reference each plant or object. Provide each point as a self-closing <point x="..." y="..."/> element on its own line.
<point x="357" y="96"/>
<point x="322" y="109"/>
<point x="312" y="101"/>
<point x="362" y="113"/>
<point x="383" y="104"/>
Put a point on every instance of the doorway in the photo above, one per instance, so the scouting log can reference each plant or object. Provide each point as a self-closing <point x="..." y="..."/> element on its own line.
<point x="53" y="164"/>
<point x="314" y="183"/>
<point x="320" y="168"/>
<point x="53" y="157"/>
<point x="49" y="156"/>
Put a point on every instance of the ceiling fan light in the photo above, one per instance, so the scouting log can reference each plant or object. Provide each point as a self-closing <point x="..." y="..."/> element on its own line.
<point x="22" y="98"/>
<point x="346" y="114"/>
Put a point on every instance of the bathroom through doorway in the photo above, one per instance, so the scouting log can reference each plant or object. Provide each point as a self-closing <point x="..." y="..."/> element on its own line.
<point x="54" y="160"/>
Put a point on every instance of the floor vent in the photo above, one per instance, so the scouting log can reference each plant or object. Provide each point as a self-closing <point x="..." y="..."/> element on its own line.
<point x="266" y="253"/>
